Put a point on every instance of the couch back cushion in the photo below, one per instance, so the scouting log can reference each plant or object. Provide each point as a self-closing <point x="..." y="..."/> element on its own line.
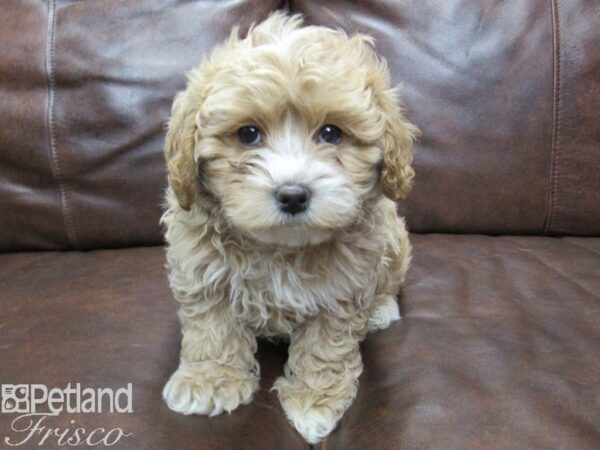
<point x="86" y="88"/>
<point x="506" y="95"/>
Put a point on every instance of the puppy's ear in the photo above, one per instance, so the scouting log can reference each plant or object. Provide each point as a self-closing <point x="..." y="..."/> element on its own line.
<point x="397" y="173"/>
<point x="179" y="151"/>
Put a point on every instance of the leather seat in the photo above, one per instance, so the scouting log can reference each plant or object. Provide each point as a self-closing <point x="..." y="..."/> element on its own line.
<point x="498" y="348"/>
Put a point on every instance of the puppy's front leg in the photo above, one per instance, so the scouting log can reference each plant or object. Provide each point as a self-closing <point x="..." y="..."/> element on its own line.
<point x="321" y="375"/>
<point x="217" y="371"/>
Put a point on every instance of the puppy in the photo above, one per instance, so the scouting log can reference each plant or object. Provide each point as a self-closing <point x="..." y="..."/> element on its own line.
<point x="286" y="154"/>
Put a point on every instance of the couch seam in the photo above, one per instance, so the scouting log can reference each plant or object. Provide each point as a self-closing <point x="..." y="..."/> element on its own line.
<point x="554" y="150"/>
<point x="54" y="159"/>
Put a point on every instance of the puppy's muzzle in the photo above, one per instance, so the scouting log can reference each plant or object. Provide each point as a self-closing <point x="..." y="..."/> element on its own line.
<point x="292" y="198"/>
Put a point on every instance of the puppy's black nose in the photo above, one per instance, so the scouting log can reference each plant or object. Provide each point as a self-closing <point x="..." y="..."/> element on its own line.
<point x="292" y="198"/>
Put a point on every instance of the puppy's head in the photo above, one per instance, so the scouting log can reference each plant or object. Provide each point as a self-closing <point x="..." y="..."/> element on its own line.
<point x="290" y="132"/>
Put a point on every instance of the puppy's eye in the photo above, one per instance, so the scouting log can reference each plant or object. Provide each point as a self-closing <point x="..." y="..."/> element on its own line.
<point x="249" y="135"/>
<point x="330" y="134"/>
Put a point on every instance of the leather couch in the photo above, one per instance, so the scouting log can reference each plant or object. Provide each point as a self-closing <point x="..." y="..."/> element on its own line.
<point x="499" y="345"/>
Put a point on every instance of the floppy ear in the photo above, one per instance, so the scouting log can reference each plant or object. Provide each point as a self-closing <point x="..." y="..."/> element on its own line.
<point x="397" y="173"/>
<point x="179" y="151"/>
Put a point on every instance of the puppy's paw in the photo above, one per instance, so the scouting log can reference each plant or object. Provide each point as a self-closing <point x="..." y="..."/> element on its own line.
<point x="385" y="312"/>
<point x="314" y="413"/>
<point x="208" y="388"/>
<point x="313" y="424"/>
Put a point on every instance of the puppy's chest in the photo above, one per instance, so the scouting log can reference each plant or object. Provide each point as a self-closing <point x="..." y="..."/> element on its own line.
<point x="272" y="293"/>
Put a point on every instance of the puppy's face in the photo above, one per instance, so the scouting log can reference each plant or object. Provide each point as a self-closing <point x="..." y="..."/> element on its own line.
<point x="290" y="131"/>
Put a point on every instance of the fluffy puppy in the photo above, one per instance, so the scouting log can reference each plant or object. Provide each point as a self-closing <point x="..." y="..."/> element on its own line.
<point x="285" y="154"/>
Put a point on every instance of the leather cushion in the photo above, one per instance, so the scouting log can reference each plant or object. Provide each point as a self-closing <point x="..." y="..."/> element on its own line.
<point x="108" y="318"/>
<point x="498" y="348"/>
<point x="507" y="97"/>
<point x="85" y="92"/>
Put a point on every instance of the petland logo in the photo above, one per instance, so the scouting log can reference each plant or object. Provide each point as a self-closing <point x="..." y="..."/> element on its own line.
<point x="35" y="404"/>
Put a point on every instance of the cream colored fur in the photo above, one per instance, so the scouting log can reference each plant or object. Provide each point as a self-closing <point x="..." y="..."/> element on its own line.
<point x="237" y="265"/>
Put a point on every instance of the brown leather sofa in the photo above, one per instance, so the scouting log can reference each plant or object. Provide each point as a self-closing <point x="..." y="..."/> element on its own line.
<point x="499" y="346"/>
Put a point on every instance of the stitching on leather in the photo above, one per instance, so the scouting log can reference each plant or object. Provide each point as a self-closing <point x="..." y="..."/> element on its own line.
<point x="55" y="161"/>
<point x="552" y="173"/>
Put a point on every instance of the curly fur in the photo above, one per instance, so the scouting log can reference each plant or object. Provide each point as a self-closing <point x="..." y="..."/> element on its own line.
<point x="238" y="266"/>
